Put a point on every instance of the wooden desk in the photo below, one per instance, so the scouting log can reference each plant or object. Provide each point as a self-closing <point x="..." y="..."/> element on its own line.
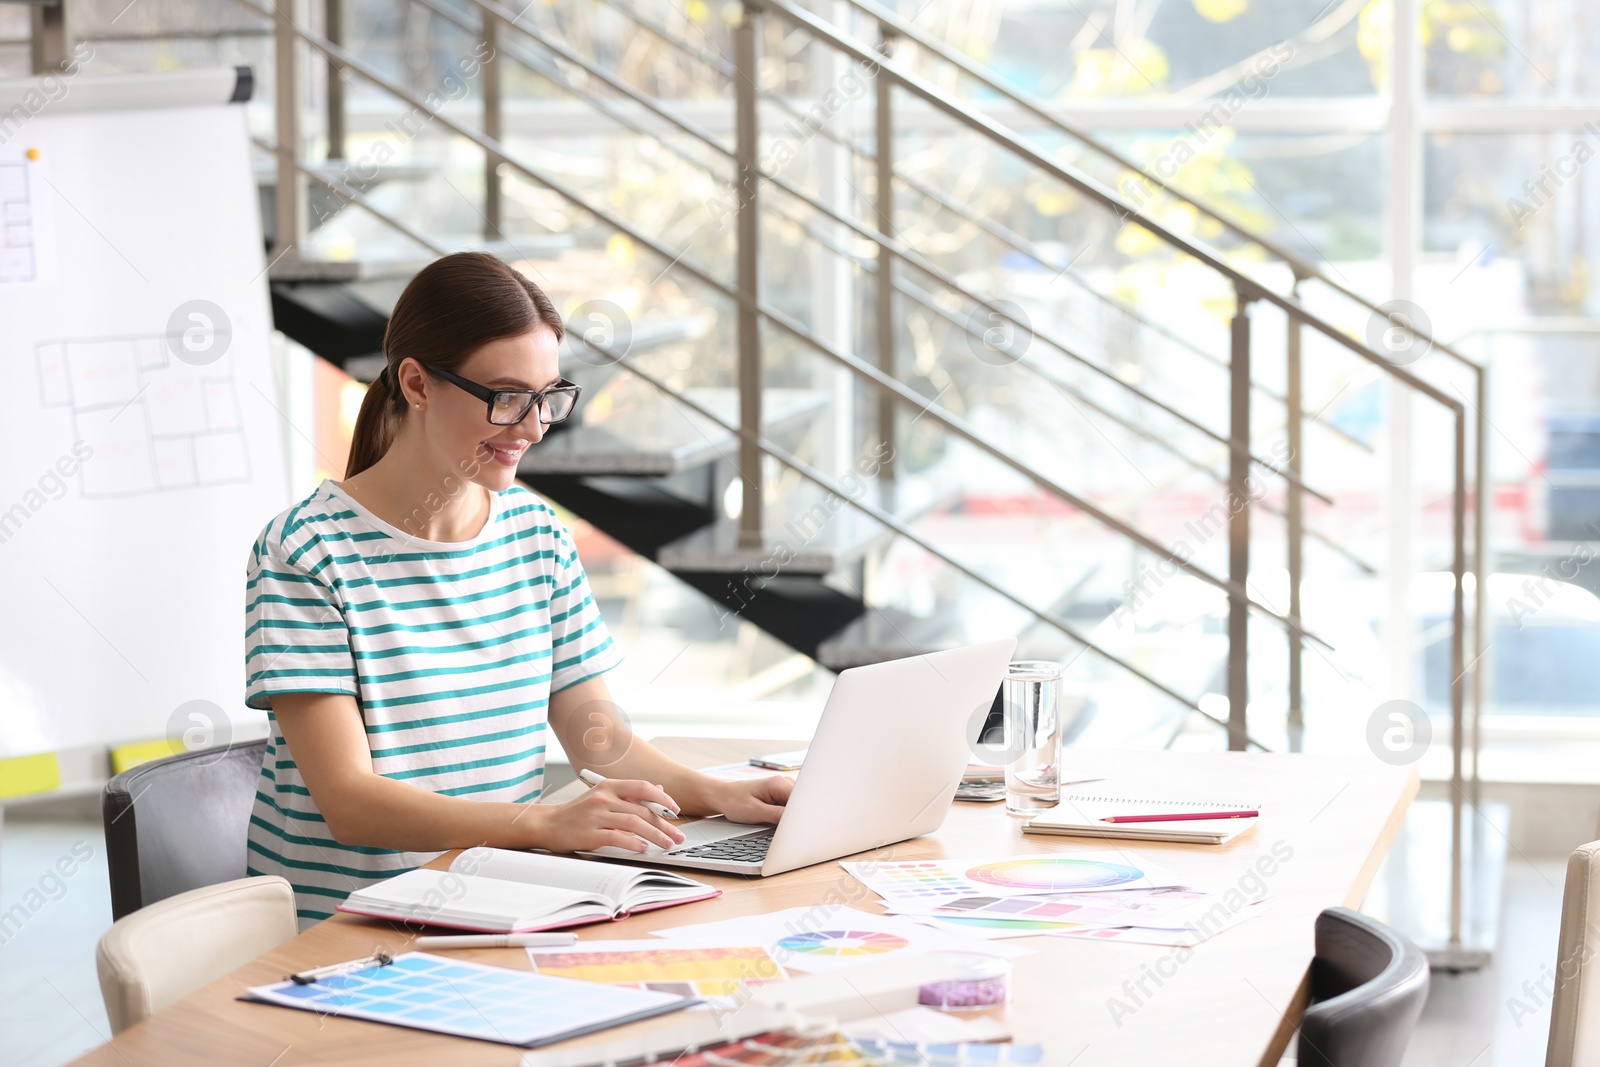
<point x="1231" y="1001"/>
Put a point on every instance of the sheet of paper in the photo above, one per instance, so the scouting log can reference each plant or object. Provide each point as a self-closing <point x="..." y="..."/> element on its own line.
<point x="900" y="881"/>
<point x="717" y="974"/>
<point x="821" y="939"/>
<point x="993" y="929"/>
<point x="1169" y="908"/>
<point x="1189" y="936"/>
<point x="741" y="772"/>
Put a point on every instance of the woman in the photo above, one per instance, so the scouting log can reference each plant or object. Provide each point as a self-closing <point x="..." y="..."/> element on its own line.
<point x="415" y="628"/>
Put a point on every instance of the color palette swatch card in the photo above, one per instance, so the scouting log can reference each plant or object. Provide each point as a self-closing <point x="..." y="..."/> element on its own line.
<point x="990" y="929"/>
<point x="820" y="939"/>
<point x="899" y="881"/>
<point x="446" y="996"/>
<point x="791" y="1048"/>
<point x="1169" y="907"/>
<point x="718" y="974"/>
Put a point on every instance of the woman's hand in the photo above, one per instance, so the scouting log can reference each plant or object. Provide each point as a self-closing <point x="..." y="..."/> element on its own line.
<point x="612" y="813"/>
<point x="758" y="800"/>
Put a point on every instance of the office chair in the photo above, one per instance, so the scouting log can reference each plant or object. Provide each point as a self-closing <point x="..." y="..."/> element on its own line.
<point x="162" y="953"/>
<point x="1577" y="995"/>
<point x="179" y="823"/>
<point x="1368" y="985"/>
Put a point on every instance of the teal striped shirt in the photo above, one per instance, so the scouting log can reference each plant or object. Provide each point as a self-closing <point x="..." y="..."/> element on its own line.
<point x="450" y="649"/>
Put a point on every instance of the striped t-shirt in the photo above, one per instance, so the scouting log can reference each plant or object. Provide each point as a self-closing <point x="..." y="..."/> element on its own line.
<point x="451" y="650"/>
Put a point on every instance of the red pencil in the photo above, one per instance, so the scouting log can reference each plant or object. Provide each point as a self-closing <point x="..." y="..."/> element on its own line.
<point x="1183" y="815"/>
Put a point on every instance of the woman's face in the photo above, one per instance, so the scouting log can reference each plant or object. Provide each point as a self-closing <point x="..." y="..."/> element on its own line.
<point x="457" y="423"/>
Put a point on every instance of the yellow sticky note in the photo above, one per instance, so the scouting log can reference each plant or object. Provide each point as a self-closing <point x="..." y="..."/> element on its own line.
<point x="22" y="775"/>
<point x="137" y="752"/>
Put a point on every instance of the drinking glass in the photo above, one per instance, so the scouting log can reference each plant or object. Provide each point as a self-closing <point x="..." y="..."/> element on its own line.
<point x="1031" y="708"/>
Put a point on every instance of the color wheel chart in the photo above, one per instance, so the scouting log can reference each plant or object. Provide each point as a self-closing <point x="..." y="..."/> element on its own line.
<point x="928" y="881"/>
<point x="843" y="943"/>
<point x="1050" y="874"/>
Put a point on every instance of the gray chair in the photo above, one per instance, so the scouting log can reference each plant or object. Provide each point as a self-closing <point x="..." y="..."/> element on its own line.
<point x="179" y="823"/>
<point x="1368" y="985"/>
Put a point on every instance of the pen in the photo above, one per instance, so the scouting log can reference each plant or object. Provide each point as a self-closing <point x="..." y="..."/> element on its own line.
<point x="381" y="959"/>
<point x="497" y="941"/>
<point x="591" y="779"/>
<point x="1182" y="816"/>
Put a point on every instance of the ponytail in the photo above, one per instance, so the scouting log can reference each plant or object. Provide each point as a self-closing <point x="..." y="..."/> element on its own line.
<point x="429" y="325"/>
<point x="376" y="424"/>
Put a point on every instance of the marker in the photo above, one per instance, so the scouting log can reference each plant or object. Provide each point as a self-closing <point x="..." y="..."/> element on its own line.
<point x="497" y="941"/>
<point x="1182" y="816"/>
<point x="591" y="779"/>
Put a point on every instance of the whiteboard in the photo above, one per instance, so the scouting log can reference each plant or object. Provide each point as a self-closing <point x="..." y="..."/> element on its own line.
<point x="141" y="445"/>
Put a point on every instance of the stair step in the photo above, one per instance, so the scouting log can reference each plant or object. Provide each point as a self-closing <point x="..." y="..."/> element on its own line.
<point x="809" y="530"/>
<point x="641" y="513"/>
<point x="291" y="269"/>
<point x="798" y="610"/>
<point x="331" y="320"/>
<point x="665" y="438"/>
<point x="888" y="633"/>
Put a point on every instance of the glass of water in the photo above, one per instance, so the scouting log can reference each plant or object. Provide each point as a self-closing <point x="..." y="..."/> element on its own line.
<point x="1030" y="700"/>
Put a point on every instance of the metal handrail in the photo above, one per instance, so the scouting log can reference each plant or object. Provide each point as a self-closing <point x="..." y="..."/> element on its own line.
<point x="897" y="248"/>
<point x="339" y="187"/>
<point x="998" y="232"/>
<point x="1133" y="428"/>
<point x="927" y="301"/>
<point x="1249" y="288"/>
<point x="890" y="386"/>
<point x="1246" y="290"/>
<point x="1302" y="268"/>
<point x="821" y="480"/>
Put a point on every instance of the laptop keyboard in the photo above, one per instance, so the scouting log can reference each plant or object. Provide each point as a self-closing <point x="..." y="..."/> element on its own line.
<point x="751" y="848"/>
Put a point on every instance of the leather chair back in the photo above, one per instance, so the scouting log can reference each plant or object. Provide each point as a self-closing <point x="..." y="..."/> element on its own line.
<point x="179" y="823"/>
<point x="162" y="953"/>
<point x="1368" y="986"/>
<point x="1575" y="1011"/>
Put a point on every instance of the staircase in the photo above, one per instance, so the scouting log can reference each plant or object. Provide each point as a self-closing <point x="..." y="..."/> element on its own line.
<point x="858" y="399"/>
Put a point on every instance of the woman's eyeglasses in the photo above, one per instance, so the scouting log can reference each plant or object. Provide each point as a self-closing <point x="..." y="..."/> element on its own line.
<point x="507" y="407"/>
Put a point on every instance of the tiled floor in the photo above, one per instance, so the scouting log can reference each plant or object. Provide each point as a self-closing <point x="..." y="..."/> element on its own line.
<point x="1499" y="1017"/>
<point x="50" y="1008"/>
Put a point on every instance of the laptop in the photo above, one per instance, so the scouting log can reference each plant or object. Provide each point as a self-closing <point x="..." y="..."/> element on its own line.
<point x="883" y="767"/>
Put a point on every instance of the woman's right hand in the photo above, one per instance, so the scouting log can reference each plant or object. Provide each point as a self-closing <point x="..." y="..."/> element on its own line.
<point x="612" y="813"/>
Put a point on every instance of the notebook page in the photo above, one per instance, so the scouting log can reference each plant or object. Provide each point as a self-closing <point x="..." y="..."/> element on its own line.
<point x="1107" y="802"/>
<point x="426" y="894"/>
<point x="612" y="880"/>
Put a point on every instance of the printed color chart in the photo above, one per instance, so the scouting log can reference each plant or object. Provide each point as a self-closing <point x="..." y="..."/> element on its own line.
<point x="929" y="881"/>
<point x="719" y="972"/>
<point x="1052" y="874"/>
<point x="471" y="1000"/>
<point x="844" y="943"/>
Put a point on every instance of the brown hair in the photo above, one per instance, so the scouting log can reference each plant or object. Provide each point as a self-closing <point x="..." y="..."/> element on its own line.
<point x="453" y="307"/>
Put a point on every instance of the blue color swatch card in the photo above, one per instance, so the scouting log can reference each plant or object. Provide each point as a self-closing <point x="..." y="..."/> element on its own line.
<point x="449" y="996"/>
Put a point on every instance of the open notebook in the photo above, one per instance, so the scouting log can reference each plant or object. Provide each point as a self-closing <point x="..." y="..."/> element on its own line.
<point x="499" y="891"/>
<point x="1083" y="815"/>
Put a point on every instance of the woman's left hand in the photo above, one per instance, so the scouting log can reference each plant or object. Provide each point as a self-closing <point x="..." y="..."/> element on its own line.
<point x="760" y="800"/>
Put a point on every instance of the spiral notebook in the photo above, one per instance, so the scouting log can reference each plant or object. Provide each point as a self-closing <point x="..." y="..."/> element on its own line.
<point x="1083" y="815"/>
